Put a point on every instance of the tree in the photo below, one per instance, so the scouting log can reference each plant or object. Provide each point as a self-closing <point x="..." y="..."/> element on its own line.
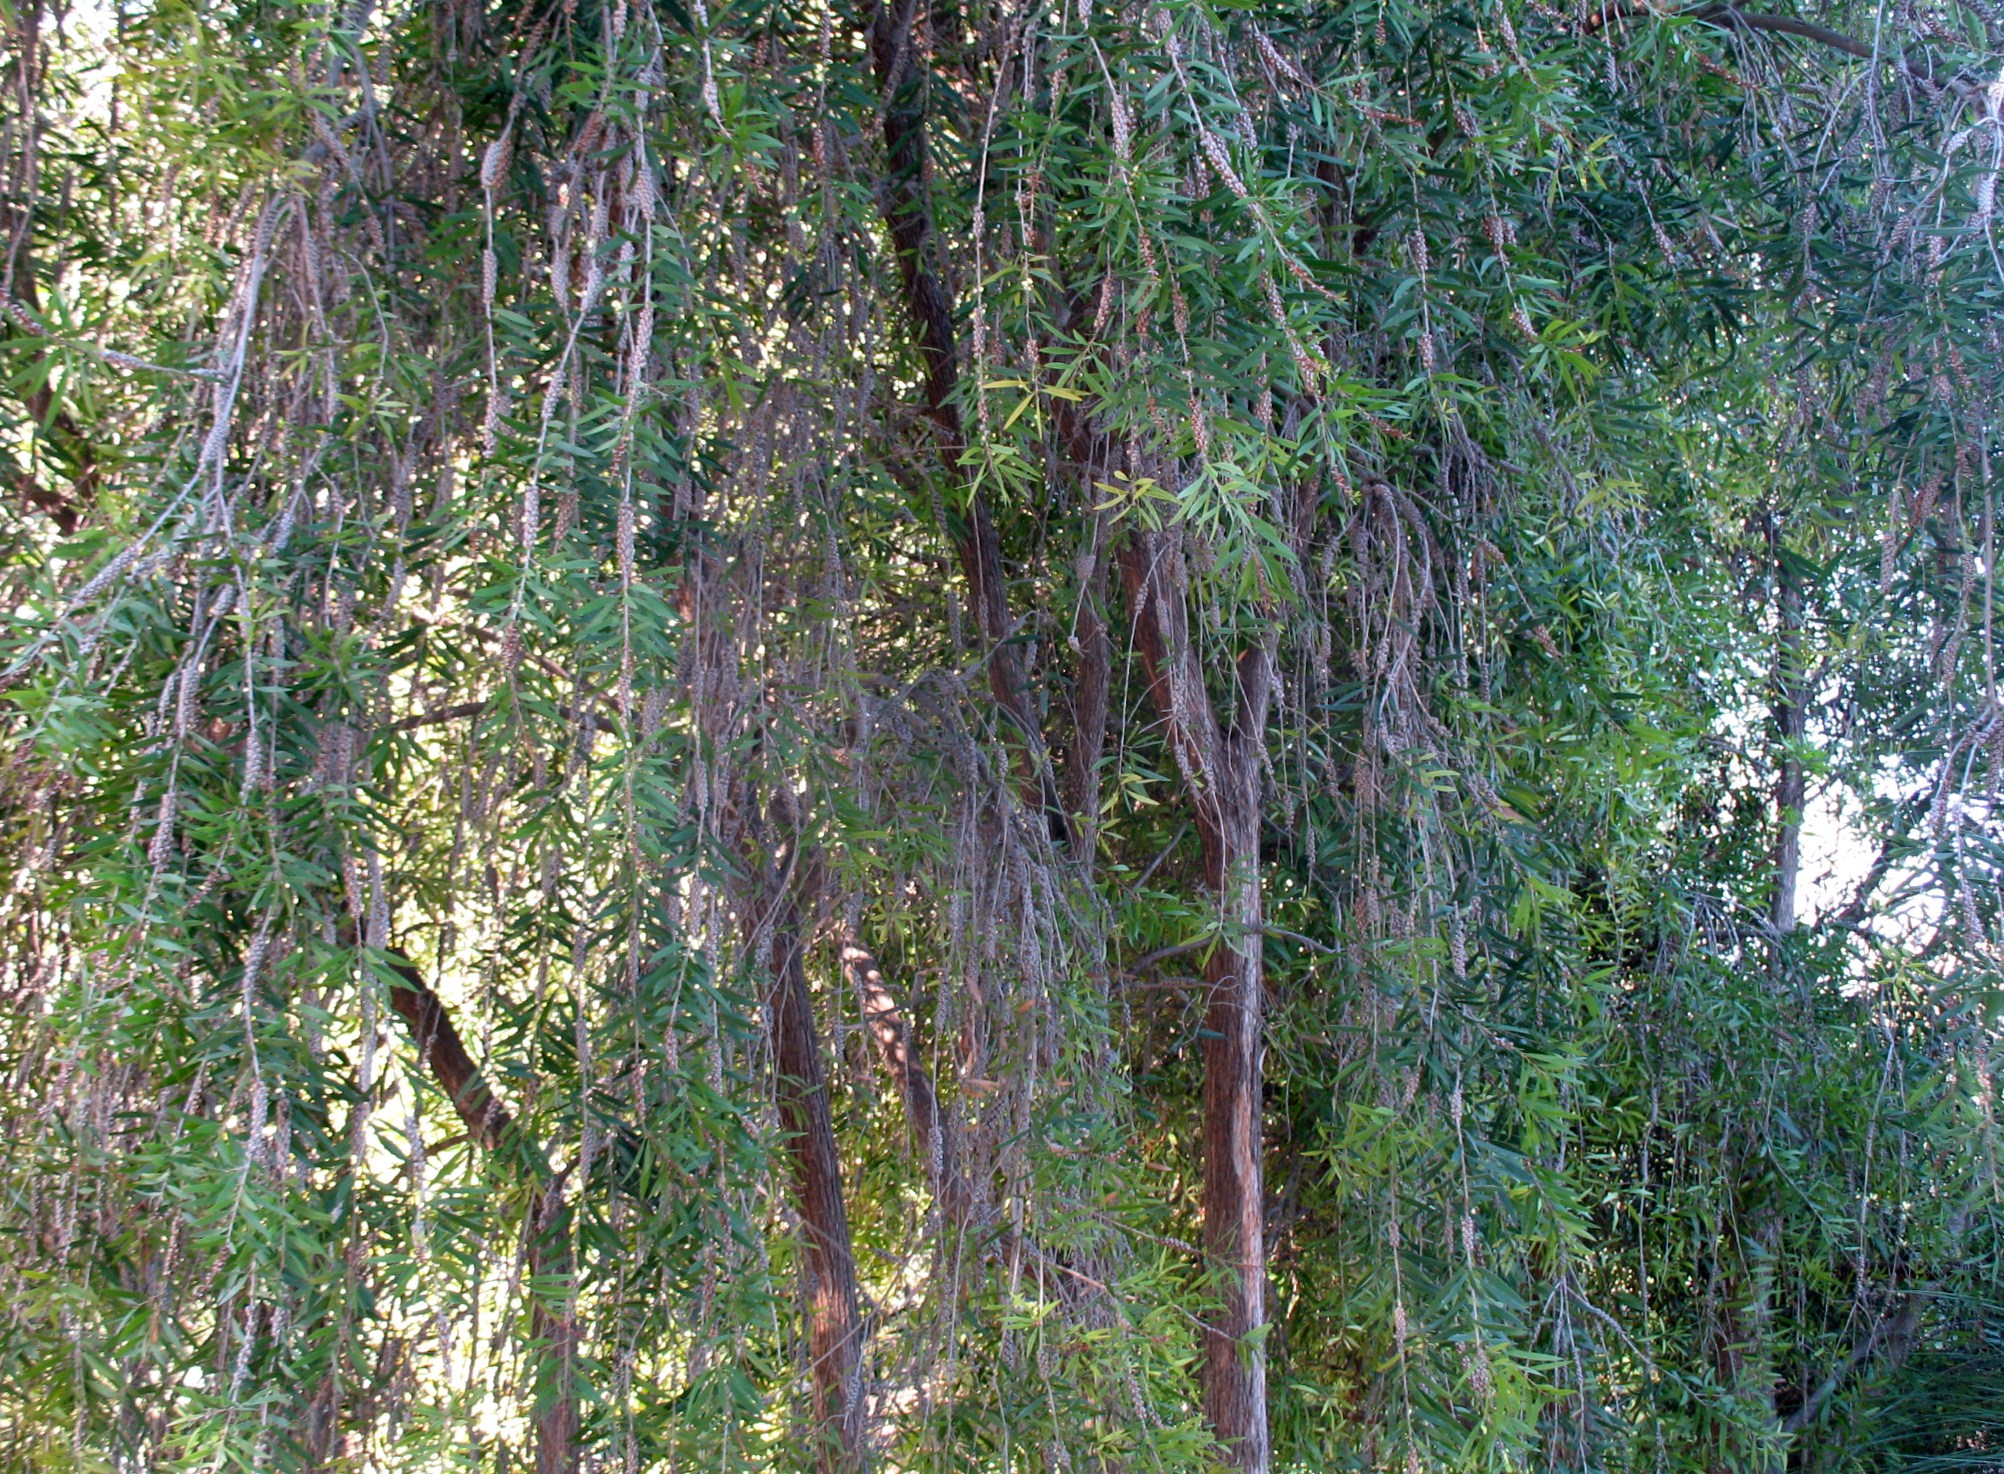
<point x="968" y="737"/>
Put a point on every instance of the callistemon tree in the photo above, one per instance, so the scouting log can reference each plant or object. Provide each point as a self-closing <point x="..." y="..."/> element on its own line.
<point x="1074" y="736"/>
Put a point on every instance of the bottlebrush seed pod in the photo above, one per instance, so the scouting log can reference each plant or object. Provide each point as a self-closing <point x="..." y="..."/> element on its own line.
<point x="494" y="163"/>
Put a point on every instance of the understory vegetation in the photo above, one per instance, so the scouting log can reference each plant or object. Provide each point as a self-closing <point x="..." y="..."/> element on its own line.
<point x="1070" y="736"/>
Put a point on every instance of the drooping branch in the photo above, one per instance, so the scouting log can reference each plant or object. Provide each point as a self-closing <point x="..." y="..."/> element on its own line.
<point x="1091" y="640"/>
<point x="1898" y="829"/>
<point x="1787" y="25"/>
<point x="1153" y="573"/>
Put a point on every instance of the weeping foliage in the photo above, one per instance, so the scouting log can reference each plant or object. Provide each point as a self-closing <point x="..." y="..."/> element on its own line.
<point x="1082" y="738"/>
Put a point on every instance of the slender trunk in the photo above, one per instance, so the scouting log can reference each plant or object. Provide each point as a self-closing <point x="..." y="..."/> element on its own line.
<point x="828" y="1262"/>
<point x="775" y="942"/>
<point x="1791" y="723"/>
<point x="553" y="1324"/>
<point x="1791" y="708"/>
<point x="1234" y="1194"/>
<point x="1221" y="767"/>
<point x="1091" y="695"/>
<point x="899" y="66"/>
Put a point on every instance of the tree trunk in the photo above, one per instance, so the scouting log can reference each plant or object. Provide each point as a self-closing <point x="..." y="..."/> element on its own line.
<point x="828" y="1262"/>
<point x="1221" y="771"/>
<point x="899" y="66"/>
<point x="553" y="1328"/>
<point x="1791" y="714"/>
<point x="1234" y="1193"/>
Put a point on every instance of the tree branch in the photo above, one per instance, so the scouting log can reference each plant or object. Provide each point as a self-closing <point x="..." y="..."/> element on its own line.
<point x="445" y="1054"/>
<point x="1731" y="17"/>
<point x="931" y="1130"/>
<point x="1783" y="25"/>
<point x="1882" y="863"/>
<point x="1894" y="1330"/>
<point x="908" y="217"/>
<point x="1727" y="16"/>
<point x="552" y="1328"/>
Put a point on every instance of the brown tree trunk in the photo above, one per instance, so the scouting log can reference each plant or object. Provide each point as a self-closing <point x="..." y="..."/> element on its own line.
<point x="828" y="1262"/>
<point x="1221" y="767"/>
<point x="553" y="1325"/>
<point x="1234" y="1191"/>
<point x="553" y="1328"/>
<point x="775" y="943"/>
